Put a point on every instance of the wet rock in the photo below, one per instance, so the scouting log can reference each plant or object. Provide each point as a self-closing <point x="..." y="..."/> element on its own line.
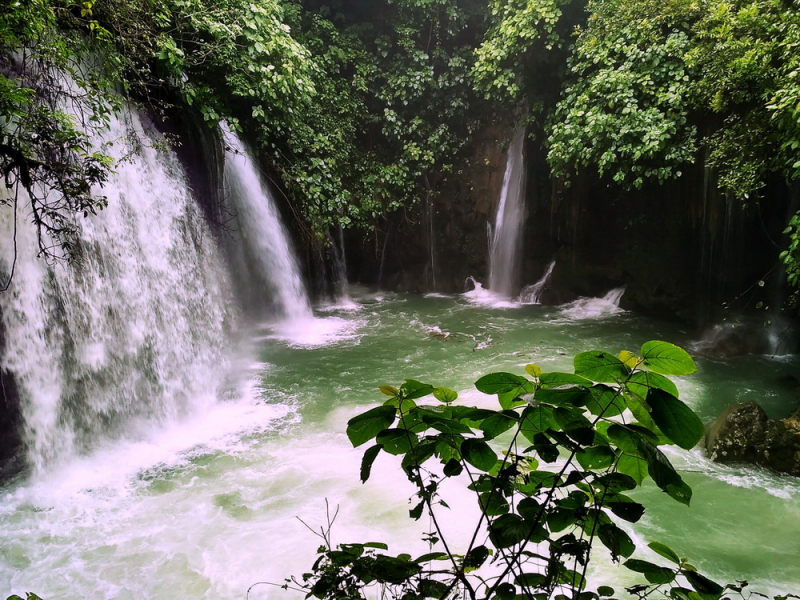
<point x="744" y="433"/>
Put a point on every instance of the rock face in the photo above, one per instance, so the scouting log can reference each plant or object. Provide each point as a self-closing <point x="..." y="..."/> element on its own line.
<point x="744" y="433"/>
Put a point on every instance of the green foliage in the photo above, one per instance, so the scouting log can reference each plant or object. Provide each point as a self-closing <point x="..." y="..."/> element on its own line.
<point x="46" y="122"/>
<point x="551" y="469"/>
<point x="652" y="82"/>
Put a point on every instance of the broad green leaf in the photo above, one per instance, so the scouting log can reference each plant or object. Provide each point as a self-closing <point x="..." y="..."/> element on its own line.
<point x="564" y="395"/>
<point x="678" y="422"/>
<point x="390" y="569"/>
<point x="441" y="422"/>
<point x="493" y="503"/>
<point x="614" y="483"/>
<point x="626" y="509"/>
<point x="596" y="457"/>
<point x="533" y="370"/>
<point x="366" y="463"/>
<point x="605" y="590"/>
<point x="664" y="551"/>
<point x="557" y="379"/>
<point x="629" y="359"/>
<point x="616" y="540"/>
<point x="377" y="545"/>
<point x="479" y="454"/>
<point x="633" y="466"/>
<point x="560" y="519"/>
<point x="499" y="383"/>
<point x="419" y="454"/>
<point x="507" y="530"/>
<point x="605" y="401"/>
<point x="653" y="573"/>
<point x="641" y="382"/>
<point x="667" y="359"/>
<point x="662" y="471"/>
<point x="443" y="394"/>
<point x="432" y="588"/>
<point x="389" y="390"/>
<point x="432" y="556"/>
<point x="530" y="580"/>
<point x="530" y="510"/>
<point x="509" y="400"/>
<point x="505" y="591"/>
<point x="640" y="411"/>
<point x="546" y="449"/>
<point x="412" y="389"/>
<point x="536" y="419"/>
<point x="600" y="366"/>
<point x="703" y="585"/>
<point x="396" y="441"/>
<point x="453" y="468"/>
<point x="476" y="557"/>
<point x="364" y="427"/>
<point x="498" y="423"/>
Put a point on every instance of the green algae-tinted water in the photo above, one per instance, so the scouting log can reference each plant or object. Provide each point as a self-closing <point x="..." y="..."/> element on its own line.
<point x="211" y="505"/>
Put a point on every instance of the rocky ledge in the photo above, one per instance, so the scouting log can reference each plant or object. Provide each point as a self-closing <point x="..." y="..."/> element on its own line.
<point x="744" y="433"/>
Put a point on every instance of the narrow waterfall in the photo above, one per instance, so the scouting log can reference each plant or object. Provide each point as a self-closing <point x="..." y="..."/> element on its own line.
<point x="136" y="330"/>
<point x="341" y="284"/>
<point x="267" y="262"/>
<point x="532" y="294"/>
<point x="506" y="235"/>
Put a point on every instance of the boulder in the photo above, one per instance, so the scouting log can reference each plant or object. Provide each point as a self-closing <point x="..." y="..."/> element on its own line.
<point x="744" y="433"/>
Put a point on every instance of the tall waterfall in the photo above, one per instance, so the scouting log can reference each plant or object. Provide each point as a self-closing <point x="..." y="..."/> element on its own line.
<point x="136" y="330"/>
<point x="506" y="235"/>
<point x="266" y="260"/>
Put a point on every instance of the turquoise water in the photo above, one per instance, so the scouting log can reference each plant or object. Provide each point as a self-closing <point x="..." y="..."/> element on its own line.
<point x="212" y="505"/>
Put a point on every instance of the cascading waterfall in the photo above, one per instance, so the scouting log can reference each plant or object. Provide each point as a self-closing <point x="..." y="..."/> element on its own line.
<point x="506" y="236"/>
<point x="532" y="294"/>
<point x="341" y="284"/>
<point x="266" y="261"/>
<point x="136" y="330"/>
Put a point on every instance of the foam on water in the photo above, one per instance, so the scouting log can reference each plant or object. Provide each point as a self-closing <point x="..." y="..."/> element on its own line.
<point x="595" y="308"/>
<point x="316" y="331"/>
<point x="484" y="297"/>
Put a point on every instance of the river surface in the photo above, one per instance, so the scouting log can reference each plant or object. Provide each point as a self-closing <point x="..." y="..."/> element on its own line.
<point x="212" y="504"/>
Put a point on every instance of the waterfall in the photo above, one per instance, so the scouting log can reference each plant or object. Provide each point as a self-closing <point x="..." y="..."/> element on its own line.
<point x="341" y="284"/>
<point x="506" y="235"/>
<point x="266" y="262"/>
<point x="136" y="330"/>
<point x="429" y="230"/>
<point x="532" y="294"/>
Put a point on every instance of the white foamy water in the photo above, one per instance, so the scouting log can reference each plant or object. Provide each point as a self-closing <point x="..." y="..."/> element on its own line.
<point x="266" y="259"/>
<point x="593" y="308"/>
<point x="480" y="295"/>
<point x="532" y="294"/>
<point x="136" y="331"/>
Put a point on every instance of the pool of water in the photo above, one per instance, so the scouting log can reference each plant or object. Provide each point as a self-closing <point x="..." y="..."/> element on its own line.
<point x="236" y="494"/>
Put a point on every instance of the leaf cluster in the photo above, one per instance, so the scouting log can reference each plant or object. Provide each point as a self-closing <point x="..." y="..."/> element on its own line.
<point x="551" y="469"/>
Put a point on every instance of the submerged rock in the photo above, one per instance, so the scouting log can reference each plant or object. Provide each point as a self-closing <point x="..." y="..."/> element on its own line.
<point x="744" y="433"/>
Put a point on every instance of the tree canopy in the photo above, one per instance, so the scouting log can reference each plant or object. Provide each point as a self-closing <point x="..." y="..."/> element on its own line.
<point x="362" y="108"/>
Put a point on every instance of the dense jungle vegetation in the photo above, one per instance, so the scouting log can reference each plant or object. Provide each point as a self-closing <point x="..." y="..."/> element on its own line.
<point x="364" y="107"/>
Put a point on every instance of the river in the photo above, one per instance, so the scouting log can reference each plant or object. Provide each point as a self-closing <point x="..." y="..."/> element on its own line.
<point x="218" y="500"/>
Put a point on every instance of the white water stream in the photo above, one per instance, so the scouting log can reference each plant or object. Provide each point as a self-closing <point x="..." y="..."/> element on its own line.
<point x="506" y="235"/>
<point x="267" y="258"/>
<point x="137" y="331"/>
